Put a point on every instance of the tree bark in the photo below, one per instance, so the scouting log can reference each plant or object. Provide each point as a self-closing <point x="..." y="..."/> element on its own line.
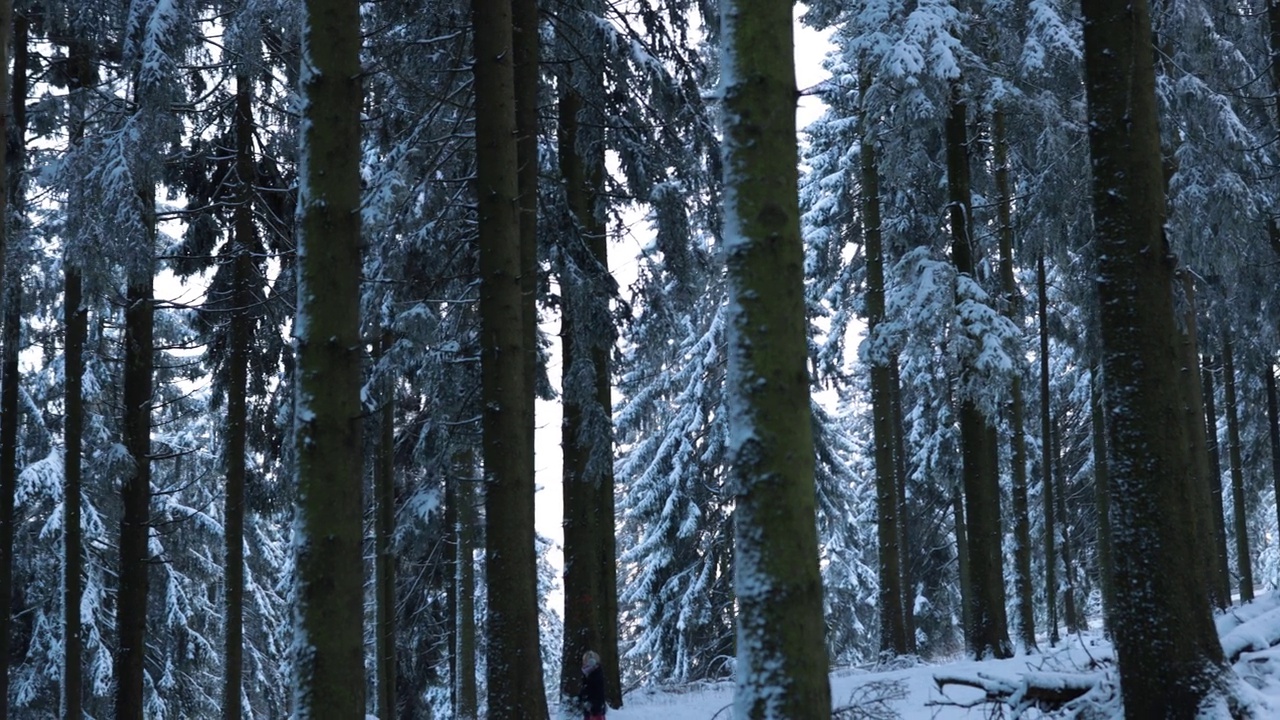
<point x="239" y="342"/>
<point x="76" y="325"/>
<point x="464" y="644"/>
<point x="1169" y="655"/>
<point x="1217" y="506"/>
<point x="1046" y="460"/>
<point x="514" y="672"/>
<point x="893" y="630"/>
<point x="328" y="677"/>
<point x="590" y="574"/>
<point x="781" y="653"/>
<point x="1017" y="409"/>
<point x="904" y="515"/>
<point x="1244" y="563"/>
<point x="1102" y="497"/>
<point x="9" y="379"/>
<point x="1189" y="376"/>
<point x="13" y="129"/>
<point x="989" y="634"/>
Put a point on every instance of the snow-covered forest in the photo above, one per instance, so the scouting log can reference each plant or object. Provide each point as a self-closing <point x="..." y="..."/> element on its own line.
<point x="982" y="362"/>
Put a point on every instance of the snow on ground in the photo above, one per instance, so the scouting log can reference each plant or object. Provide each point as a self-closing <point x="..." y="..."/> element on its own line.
<point x="912" y="693"/>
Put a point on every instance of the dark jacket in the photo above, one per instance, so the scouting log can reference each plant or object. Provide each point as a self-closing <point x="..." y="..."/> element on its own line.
<point x="591" y="697"/>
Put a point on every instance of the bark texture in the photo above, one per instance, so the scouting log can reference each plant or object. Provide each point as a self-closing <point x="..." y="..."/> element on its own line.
<point x="514" y="667"/>
<point x="782" y="660"/>
<point x="1168" y="652"/>
<point x="328" y="681"/>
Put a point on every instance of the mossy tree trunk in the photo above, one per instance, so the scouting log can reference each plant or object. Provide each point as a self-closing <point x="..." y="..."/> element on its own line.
<point x="782" y="658"/>
<point x="328" y="670"/>
<point x="1169" y="655"/>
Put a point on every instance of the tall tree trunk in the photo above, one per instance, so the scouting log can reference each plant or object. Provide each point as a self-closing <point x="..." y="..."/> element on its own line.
<point x="8" y="474"/>
<point x="1217" y="506"/>
<point x="515" y="686"/>
<point x="328" y="677"/>
<point x="1193" y="414"/>
<point x="590" y="574"/>
<point x="989" y="634"/>
<point x="464" y="647"/>
<point x="1244" y="562"/>
<point x="11" y="294"/>
<point x="782" y="659"/>
<point x="1102" y="497"/>
<point x="239" y="342"/>
<point x="76" y="324"/>
<point x="1046" y="459"/>
<point x="893" y="630"/>
<point x="1017" y="409"/>
<point x="1169" y="655"/>
<point x="135" y="524"/>
<point x="384" y="489"/>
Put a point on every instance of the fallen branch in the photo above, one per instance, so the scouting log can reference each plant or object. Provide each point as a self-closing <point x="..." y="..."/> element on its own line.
<point x="1042" y="690"/>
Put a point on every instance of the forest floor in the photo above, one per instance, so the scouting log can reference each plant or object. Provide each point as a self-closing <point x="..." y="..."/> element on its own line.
<point x="911" y="690"/>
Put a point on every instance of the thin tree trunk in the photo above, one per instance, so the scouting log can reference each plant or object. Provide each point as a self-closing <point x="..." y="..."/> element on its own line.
<point x="514" y="667"/>
<point x="1073" y="617"/>
<point x="893" y="630"/>
<point x="328" y="672"/>
<point x="464" y="648"/>
<point x="1169" y="655"/>
<point x="989" y="632"/>
<point x="8" y="474"/>
<point x="904" y="515"/>
<point x="135" y="524"/>
<point x="962" y="566"/>
<point x="1244" y="562"/>
<point x="76" y="323"/>
<point x="781" y="653"/>
<point x="1217" y="505"/>
<point x="1017" y="410"/>
<point x="239" y="341"/>
<point x="75" y="320"/>
<point x="590" y="575"/>
<point x="11" y="293"/>
<point x="1193" y="414"/>
<point x="1046" y="460"/>
<point x="1103" y="499"/>
<point x="384" y="489"/>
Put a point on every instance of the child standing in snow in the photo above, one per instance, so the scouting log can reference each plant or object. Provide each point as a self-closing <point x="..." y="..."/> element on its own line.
<point x="591" y="697"/>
